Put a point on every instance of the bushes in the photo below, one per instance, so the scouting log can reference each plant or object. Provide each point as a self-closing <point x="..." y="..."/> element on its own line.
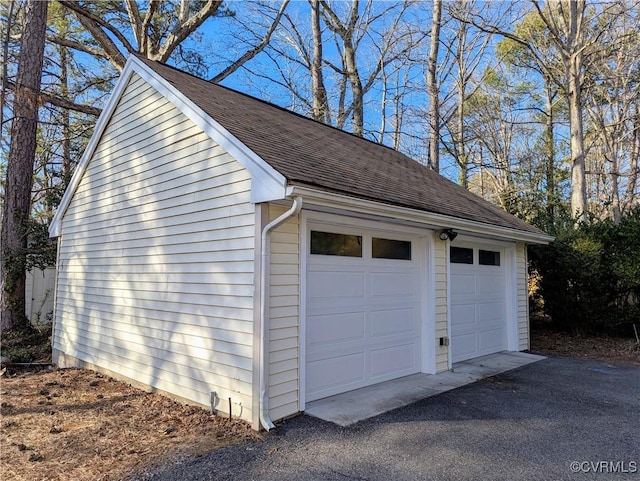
<point x="590" y="276"/>
<point x="27" y="344"/>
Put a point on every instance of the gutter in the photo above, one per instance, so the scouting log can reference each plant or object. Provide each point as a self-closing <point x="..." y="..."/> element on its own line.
<point x="338" y="203"/>
<point x="265" y="289"/>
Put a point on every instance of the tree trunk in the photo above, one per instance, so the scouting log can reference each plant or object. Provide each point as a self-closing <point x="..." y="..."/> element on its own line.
<point x="6" y="40"/>
<point x="550" y="173"/>
<point x="578" y="176"/>
<point x="432" y="88"/>
<point x="461" y="83"/>
<point x="356" y="88"/>
<point x="320" y="104"/>
<point x="17" y="202"/>
<point x="634" y="157"/>
<point x="461" y="151"/>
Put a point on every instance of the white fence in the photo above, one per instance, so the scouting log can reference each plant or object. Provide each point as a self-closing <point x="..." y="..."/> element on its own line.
<point x="39" y="292"/>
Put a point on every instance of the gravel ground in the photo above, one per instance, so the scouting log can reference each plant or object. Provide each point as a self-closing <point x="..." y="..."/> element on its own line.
<point x="552" y="420"/>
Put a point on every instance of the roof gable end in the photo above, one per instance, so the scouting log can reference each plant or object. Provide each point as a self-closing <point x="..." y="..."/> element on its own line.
<point x="266" y="184"/>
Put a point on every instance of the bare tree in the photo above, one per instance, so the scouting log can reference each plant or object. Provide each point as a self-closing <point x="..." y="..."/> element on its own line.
<point x="254" y="50"/>
<point x="17" y="202"/>
<point x="364" y="38"/>
<point x="319" y="92"/>
<point x="500" y="127"/>
<point x="516" y="55"/>
<point x="576" y="44"/>
<point x="612" y="108"/>
<point x="567" y="27"/>
<point x="346" y="30"/>
<point x="157" y="32"/>
<point x="432" y="88"/>
<point x="466" y="54"/>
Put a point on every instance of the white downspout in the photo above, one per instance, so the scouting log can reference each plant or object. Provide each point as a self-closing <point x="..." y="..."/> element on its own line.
<point x="265" y="289"/>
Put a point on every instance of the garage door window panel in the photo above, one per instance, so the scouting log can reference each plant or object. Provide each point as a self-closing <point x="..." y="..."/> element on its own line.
<point x="488" y="258"/>
<point x="332" y="244"/>
<point x="461" y="255"/>
<point x="390" y="249"/>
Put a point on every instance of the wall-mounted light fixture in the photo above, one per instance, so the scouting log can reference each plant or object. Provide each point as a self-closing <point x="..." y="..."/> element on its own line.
<point x="448" y="234"/>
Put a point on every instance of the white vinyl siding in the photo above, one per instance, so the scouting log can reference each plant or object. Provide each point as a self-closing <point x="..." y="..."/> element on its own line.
<point x="155" y="277"/>
<point x="442" y="330"/>
<point x="523" y="297"/>
<point x="284" y="317"/>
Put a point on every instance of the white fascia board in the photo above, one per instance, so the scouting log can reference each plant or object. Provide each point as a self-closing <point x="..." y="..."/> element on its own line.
<point x="101" y="124"/>
<point x="266" y="183"/>
<point x="339" y="202"/>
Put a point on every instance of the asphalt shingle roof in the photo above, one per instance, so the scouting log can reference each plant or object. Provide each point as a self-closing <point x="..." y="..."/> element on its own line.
<point x="309" y="153"/>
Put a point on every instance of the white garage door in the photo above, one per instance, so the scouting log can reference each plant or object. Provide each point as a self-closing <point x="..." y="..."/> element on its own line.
<point x="478" y="302"/>
<point x="363" y="310"/>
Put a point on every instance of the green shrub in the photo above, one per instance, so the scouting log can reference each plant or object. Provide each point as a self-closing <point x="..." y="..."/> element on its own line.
<point x="590" y="276"/>
<point x="26" y="344"/>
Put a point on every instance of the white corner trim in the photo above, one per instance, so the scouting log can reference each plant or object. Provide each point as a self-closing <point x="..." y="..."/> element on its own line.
<point x="303" y="246"/>
<point x="449" y="334"/>
<point x="266" y="183"/>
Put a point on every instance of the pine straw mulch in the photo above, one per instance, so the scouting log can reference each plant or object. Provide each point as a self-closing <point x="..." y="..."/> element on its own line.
<point x="73" y="424"/>
<point x="608" y="349"/>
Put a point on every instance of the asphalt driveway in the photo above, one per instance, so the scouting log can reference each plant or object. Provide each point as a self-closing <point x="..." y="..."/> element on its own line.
<point x="552" y="420"/>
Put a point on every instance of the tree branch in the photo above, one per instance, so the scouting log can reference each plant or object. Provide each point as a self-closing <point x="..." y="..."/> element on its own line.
<point x="95" y="25"/>
<point x="62" y="102"/>
<point x="249" y="54"/>
<point x="134" y="20"/>
<point x="153" y="6"/>
<point x="184" y="29"/>
<point x="81" y="47"/>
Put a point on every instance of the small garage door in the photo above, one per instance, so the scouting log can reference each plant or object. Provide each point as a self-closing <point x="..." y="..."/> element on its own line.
<point x="478" y="302"/>
<point x="363" y="310"/>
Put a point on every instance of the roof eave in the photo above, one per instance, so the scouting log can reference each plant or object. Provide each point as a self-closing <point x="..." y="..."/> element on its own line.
<point x="428" y="219"/>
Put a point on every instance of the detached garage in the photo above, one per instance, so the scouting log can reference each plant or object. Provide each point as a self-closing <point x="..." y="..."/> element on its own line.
<point x="236" y="255"/>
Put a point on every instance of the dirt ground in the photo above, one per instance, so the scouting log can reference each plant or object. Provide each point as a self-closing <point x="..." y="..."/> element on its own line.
<point x="609" y="349"/>
<point x="78" y="425"/>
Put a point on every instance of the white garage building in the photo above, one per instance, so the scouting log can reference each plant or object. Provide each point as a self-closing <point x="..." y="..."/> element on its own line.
<point x="228" y="252"/>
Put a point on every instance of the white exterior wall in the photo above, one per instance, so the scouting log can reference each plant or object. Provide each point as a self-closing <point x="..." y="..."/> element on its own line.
<point x="155" y="271"/>
<point x="284" y="370"/>
<point x="522" y="278"/>
<point x="442" y="303"/>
